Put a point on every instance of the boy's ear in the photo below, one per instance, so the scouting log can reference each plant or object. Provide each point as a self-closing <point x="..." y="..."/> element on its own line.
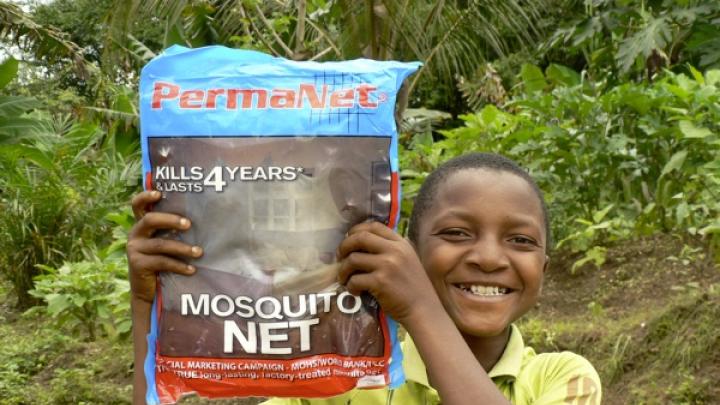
<point x="547" y="263"/>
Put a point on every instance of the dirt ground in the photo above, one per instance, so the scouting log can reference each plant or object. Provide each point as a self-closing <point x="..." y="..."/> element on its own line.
<point x="648" y="319"/>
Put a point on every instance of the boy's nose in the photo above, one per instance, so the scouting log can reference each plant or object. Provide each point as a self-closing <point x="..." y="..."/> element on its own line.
<point x="487" y="255"/>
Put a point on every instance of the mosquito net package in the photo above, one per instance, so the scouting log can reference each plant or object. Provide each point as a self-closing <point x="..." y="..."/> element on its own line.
<point x="273" y="161"/>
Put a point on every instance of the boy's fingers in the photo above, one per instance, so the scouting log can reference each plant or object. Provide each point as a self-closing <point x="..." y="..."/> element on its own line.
<point x="169" y="247"/>
<point x="158" y="263"/>
<point x="356" y="262"/>
<point x="141" y="201"/>
<point x="377" y="228"/>
<point x="154" y="221"/>
<point x="361" y="241"/>
<point x="359" y="283"/>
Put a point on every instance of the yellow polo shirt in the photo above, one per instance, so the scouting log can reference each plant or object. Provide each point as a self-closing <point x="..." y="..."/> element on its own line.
<point x="523" y="377"/>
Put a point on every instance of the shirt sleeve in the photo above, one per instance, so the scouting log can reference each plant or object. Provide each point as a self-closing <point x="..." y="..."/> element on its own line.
<point x="564" y="378"/>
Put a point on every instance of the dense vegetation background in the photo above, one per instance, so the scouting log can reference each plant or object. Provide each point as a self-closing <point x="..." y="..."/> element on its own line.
<point x="614" y="106"/>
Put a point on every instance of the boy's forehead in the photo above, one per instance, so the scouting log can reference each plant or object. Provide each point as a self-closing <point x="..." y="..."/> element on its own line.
<point x="465" y="179"/>
<point x="492" y="186"/>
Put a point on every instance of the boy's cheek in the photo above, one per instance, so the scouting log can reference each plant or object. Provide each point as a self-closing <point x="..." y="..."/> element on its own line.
<point x="532" y="267"/>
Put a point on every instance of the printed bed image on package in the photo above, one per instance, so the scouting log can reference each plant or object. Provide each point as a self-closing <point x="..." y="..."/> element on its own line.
<point x="269" y="213"/>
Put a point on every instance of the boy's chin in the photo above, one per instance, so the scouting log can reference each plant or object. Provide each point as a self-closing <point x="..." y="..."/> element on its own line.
<point x="483" y="329"/>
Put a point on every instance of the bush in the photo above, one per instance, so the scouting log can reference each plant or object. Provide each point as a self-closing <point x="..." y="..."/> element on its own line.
<point x="42" y="365"/>
<point x="630" y="159"/>
<point x="90" y="296"/>
<point x="56" y="190"/>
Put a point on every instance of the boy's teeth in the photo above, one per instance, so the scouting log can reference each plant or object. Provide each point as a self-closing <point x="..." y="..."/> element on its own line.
<point x="485" y="290"/>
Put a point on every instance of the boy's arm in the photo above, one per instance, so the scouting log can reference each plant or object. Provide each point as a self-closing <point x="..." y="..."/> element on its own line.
<point x="148" y="255"/>
<point x="141" y="326"/>
<point x="451" y="366"/>
<point x="377" y="260"/>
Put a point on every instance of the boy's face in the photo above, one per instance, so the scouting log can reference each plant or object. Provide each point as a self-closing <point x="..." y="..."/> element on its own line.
<point x="482" y="244"/>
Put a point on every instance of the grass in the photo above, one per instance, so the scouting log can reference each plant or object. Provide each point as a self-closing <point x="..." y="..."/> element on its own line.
<point x="43" y="365"/>
<point x="652" y="331"/>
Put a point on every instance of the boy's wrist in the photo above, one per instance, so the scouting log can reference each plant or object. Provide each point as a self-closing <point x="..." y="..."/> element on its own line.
<point x="139" y="305"/>
<point x="430" y="314"/>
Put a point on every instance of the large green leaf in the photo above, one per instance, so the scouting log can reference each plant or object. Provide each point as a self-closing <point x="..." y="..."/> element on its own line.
<point x="28" y="153"/>
<point x="13" y="106"/>
<point x="12" y="129"/>
<point x="705" y="43"/>
<point x="600" y="215"/>
<point x="653" y="37"/>
<point x="533" y="78"/>
<point x="712" y="77"/>
<point x="675" y="162"/>
<point x="8" y="71"/>
<point x="175" y="35"/>
<point x="562" y="75"/>
<point x="57" y="303"/>
<point x="691" y="131"/>
<point x="713" y="228"/>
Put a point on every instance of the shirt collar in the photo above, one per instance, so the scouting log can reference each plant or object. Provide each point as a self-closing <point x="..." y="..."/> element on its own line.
<point x="511" y="360"/>
<point x="508" y="365"/>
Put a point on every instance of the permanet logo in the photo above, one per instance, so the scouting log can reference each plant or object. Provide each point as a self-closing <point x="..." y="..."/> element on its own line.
<point x="305" y="95"/>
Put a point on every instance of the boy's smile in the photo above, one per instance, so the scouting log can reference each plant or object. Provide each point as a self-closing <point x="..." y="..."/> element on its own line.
<point x="483" y="245"/>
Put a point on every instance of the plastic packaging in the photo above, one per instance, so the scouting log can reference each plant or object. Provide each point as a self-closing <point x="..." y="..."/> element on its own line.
<point x="273" y="161"/>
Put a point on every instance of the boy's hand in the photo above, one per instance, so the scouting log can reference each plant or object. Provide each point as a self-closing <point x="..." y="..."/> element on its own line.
<point x="376" y="259"/>
<point x="147" y="254"/>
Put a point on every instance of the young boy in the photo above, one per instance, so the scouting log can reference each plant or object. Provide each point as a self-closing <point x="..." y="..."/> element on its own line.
<point x="473" y="265"/>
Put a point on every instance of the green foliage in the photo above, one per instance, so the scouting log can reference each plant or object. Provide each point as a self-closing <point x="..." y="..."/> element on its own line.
<point x="91" y="295"/>
<point x="49" y="45"/>
<point x="533" y="78"/>
<point x="8" y="71"/>
<point x="484" y="87"/>
<point x="620" y="38"/>
<point x="24" y="358"/>
<point x="613" y="161"/>
<point x="57" y="189"/>
<point x="704" y="44"/>
<point x="450" y="37"/>
<point x="41" y="364"/>
<point x="653" y="35"/>
<point x="632" y="333"/>
<point x="14" y="124"/>
<point x="80" y="386"/>
<point x="595" y="255"/>
<point x="592" y="231"/>
<point x="85" y="23"/>
<point x="691" y="390"/>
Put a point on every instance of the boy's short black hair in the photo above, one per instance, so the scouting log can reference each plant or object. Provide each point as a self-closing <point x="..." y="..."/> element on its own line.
<point x="489" y="161"/>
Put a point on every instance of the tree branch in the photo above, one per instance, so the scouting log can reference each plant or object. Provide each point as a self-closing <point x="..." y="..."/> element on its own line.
<point x="426" y="62"/>
<point x="321" y="54"/>
<point x="300" y="30"/>
<point x="258" y="32"/>
<point x="325" y="36"/>
<point x="274" y="33"/>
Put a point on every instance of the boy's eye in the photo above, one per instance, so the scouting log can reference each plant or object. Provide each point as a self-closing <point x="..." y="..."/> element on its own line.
<point x="522" y="240"/>
<point x="454" y="233"/>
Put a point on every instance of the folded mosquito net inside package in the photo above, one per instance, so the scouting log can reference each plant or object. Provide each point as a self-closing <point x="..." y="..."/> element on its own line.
<point x="273" y="161"/>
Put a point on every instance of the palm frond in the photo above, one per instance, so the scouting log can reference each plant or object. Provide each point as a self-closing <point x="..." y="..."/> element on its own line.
<point x="45" y="42"/>
<point x="453" y="39"/>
